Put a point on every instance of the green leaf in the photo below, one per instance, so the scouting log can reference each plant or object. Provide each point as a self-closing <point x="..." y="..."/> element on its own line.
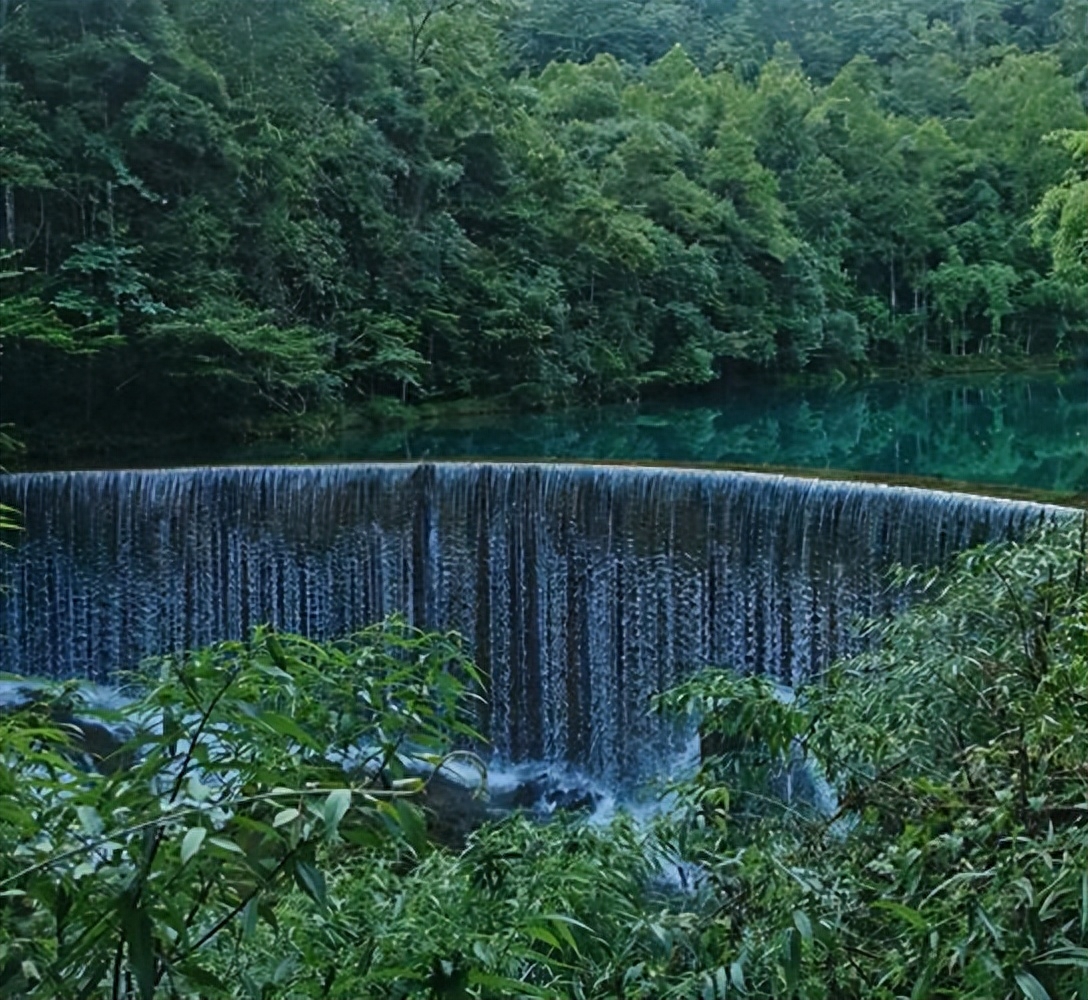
<point x="905" y="913"/>
<point x="267" y="912"/>
<point x="922" y="985"/>
<point x="191" y="842"/>
<point x="736" y="975"/>
<point x="285" y="816"/>
<point x="791" y="959"/>
<point x="275" y="650"/>
<point x="250" y="914"/>
<point x="511" y="987"/>
<point x="136" y="925"/>
<point x="336" y="806"/>
<point x="411" y="824"/>
<point x="1084" y="903"/>
<point x="991" y="928"/>
<point x="11" y="813"/>
<point x="311" y="881"/>
<point x="1032" y="988"/>
<point x="539" y="933"/>
<point x="562" y="927"/>
<point x="284" y="726"/>
<point x="803" y="925"/>
<point x="90" y="820"/>
<point x="226" y="845"/>
<point x="200" y="976"/>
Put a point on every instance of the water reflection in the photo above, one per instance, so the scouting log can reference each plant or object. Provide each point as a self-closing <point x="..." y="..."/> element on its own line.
<point x="1012" y="430"/>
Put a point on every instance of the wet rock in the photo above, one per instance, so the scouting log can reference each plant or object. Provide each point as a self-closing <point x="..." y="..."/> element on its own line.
<point x="455" y="809"/>
<point x="544" y="794"/>
<point x="82" y="711"/>
<point x="526" y="795"/>
<point x="572" y="799"/>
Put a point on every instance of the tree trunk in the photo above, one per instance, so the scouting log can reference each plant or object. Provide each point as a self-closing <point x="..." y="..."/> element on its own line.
<point x="9" y="215"/>
<point x="109" y="206"/>
<point x="9" y="190"/>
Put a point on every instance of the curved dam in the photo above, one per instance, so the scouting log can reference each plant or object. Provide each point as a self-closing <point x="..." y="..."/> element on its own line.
<point x="581" y="590"/>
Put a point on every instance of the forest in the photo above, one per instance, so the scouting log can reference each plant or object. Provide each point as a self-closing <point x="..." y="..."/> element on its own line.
<point x="660" y="700"/>
<point x="218" y="213"/>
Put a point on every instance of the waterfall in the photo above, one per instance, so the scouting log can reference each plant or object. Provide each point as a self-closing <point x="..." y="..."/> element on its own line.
<point x="581" y="589"/>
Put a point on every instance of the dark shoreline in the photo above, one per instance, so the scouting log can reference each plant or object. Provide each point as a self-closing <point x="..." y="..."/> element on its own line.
<point x="311" y="433"/>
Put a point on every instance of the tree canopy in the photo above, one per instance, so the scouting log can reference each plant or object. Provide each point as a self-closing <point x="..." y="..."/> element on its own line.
<point x="224" y="209"/>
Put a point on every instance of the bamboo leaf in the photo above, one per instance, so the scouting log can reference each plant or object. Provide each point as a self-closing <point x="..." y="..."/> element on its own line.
<point x="803" y="925"/>
<point x="1031" y="987"/>
<point x="136" y="925"/>
<point x="226" y="845"/>
<point x="90" y="820"/>
<point x="791" y="959"/>
<point x="336" y="806"/>
<point x="539" y="933"/>
<point x="191" y="842"/>
<point x="275" y="650"/>
<point x="285" y="816"/>
<point x="249" y="917"/>
<point x="311" y="881"/>
<point x="736" y="975"/>
<point x="905" y="913"/>
<point x="284" y="726"/>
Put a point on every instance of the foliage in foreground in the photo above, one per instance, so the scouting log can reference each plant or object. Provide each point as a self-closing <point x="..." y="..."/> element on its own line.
<point x="954" y="865"/>
<point x="247" y="761"/>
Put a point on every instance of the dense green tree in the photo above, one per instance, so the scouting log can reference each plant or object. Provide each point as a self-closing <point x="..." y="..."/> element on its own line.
<point x="236" y="210"/>
<point x="1061" y="220"/>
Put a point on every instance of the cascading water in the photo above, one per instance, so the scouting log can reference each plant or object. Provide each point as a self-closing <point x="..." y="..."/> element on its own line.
<point x="581" y="589"/>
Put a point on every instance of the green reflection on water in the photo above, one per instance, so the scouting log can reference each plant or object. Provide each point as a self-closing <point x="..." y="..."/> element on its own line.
<point x="1014" y="430"/>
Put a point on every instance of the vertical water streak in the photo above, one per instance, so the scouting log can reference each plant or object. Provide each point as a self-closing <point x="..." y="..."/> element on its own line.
<point x="582" y="590"/>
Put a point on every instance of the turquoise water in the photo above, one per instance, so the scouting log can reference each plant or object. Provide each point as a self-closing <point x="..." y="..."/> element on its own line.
<point x="1013" y="431"/>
